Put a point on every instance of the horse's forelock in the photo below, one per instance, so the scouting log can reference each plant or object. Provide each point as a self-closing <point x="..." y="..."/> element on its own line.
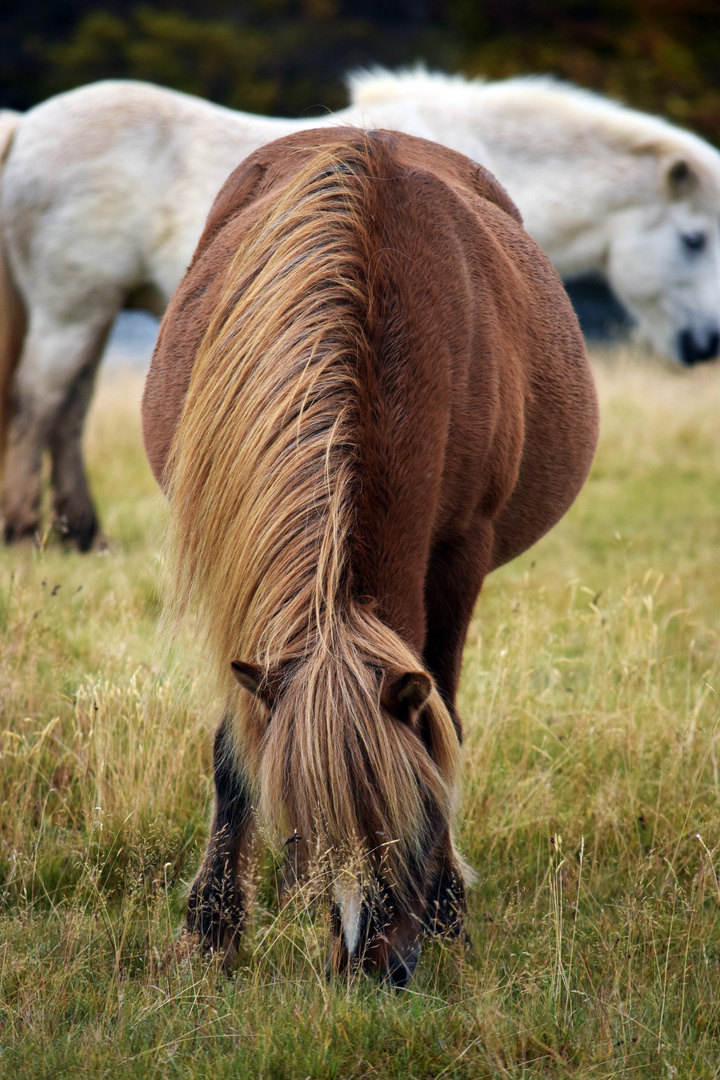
<point x="338" y="770"/>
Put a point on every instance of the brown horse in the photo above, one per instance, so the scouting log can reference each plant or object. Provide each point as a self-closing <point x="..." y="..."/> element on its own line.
<point x="369" y="390"/>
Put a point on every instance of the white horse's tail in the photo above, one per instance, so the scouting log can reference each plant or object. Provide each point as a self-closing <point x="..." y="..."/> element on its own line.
<point x="12" y="309"/>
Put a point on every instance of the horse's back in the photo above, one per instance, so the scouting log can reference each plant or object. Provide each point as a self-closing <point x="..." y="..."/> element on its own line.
<point x="502" y="414"/>
<point x="247" y="193"/>
<point x="491" y="418"/>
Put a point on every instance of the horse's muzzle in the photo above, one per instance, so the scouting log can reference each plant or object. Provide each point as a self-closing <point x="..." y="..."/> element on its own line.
<point x="695" y="346"/>
<point x="399" y="970"/>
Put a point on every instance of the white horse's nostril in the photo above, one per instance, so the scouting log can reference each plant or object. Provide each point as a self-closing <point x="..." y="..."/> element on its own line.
<point x="698" y="345"/>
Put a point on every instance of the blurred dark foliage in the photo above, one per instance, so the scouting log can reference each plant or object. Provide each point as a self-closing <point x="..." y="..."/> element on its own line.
<point x="289" y="56"/>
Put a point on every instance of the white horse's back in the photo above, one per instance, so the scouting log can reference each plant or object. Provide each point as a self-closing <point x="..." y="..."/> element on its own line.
<point x="125" y="172"/>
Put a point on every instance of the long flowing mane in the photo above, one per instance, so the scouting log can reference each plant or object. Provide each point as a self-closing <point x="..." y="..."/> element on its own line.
<point x="263" y="477"/>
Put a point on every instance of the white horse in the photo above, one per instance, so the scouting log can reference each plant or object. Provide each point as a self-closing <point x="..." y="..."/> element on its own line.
<point x="105" y="190"/>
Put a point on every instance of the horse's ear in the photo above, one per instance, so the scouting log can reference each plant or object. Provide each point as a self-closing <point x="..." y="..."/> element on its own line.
<point x="251" y="678"/>
<point x="681" y="179"/>
<point x="404" y="693"/>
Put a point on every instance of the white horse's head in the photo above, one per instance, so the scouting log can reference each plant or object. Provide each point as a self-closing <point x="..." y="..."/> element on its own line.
<point x="663" y="260"/>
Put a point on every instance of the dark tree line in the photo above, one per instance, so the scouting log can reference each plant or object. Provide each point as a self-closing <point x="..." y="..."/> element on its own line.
<point x="289" y="56"/>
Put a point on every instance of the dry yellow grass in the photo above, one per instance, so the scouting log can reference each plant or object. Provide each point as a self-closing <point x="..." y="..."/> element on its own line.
<point x="591" y="808"/>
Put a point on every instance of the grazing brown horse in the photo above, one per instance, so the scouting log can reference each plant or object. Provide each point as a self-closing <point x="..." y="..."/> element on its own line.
<point x="368" y="392"/>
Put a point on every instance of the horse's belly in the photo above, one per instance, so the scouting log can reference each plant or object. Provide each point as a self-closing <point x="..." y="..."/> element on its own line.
<point x="558" y="451"/>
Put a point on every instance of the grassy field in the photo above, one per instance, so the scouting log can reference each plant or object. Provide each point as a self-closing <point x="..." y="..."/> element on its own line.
<point x="591" y="806"/>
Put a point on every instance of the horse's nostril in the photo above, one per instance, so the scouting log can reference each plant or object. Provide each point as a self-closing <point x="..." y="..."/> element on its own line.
<point x="400" y="971"/>
<point x="695" y="348"/>
<point x="399" y="974"/>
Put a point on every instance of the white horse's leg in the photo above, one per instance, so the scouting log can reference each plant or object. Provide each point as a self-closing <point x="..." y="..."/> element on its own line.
<point x="51" y="392"/>
<point x="74" y="513"/>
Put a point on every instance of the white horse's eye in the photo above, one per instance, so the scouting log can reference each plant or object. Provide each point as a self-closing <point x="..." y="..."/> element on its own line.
<point x="694" y="241"/>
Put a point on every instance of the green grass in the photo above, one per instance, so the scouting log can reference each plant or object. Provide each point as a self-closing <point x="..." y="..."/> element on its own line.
<point x="590" y="810"/>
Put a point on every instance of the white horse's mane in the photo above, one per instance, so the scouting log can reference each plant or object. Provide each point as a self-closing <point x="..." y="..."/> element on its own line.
<point x="575" y="114"/>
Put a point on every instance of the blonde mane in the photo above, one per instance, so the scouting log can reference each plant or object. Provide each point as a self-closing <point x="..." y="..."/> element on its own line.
<point x="558" y="112"/>
<point x="263" y="475"/>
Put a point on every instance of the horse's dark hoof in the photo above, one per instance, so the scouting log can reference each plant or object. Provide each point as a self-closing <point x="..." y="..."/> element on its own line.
<point x="81" y="533"/>
<point x="221" y="940"/>
<point x="14" y="534"/>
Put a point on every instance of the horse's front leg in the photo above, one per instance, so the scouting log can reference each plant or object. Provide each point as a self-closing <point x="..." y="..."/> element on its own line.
<point x="454" y="580"/>
<point x="219" y="894"/>
<point x="446" y="904"/>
